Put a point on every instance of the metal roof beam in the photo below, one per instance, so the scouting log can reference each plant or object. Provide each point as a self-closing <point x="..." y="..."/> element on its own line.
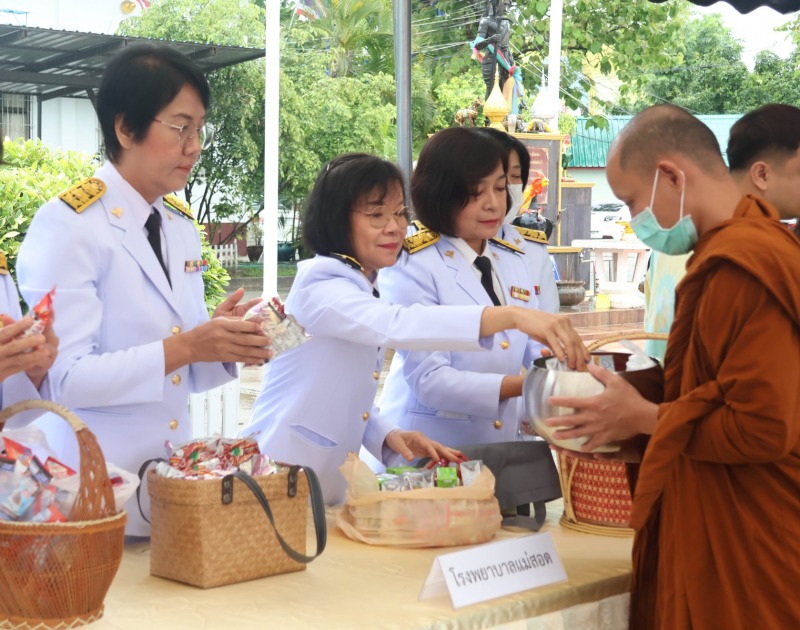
<point x="81" y="81"/>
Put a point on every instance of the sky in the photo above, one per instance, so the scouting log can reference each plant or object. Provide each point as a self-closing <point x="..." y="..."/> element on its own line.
<point x="754" y="29"/>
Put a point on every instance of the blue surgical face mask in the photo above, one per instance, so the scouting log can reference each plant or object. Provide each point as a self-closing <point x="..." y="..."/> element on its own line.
<point x="679" y="239"/>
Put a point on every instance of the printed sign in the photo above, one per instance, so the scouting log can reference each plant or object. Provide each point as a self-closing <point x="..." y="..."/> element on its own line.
<point x="494" y="570"/>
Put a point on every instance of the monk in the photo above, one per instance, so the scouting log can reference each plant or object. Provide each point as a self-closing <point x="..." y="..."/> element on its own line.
<point x="716" y="508"/>
<point x="764" y="157"/>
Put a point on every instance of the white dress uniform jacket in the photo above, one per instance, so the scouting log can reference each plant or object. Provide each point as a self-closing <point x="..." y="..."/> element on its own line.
<point x="454" y="397"/>
<point x="114" y="307"/>
<point x="18" y="386"/>
<point x="542" y="279"/>
<point x="317" y="401"/>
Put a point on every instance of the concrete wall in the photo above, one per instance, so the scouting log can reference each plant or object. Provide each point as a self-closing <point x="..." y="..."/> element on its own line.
<point x="601" y="192"/>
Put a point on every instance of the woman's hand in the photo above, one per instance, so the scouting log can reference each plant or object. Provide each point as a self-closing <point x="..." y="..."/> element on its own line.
<point x="617" y="414"/>
<point x="411" y="444"/>
<point x="47" y="353"/>
<point x="556" y="332"/>
<point x="20" y="354"/>
<point x="230" y="306"/>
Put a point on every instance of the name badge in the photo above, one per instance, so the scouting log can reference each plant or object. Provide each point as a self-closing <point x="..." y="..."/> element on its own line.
<point x="521" y="294"/>
<point x="191" y="266"/>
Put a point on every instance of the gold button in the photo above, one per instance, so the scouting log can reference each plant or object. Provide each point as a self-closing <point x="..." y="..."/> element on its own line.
<point x="365" y="416"/>
<point x="504" y="345"/>
<point x="173" y="424"/>
<point x="498" y="424"/>
<point x="176" y="380"/>
<point x="376" y="375"/>
<point x="176" y="330"/>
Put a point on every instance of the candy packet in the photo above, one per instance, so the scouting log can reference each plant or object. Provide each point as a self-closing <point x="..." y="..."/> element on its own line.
<point x="283" y="330"/>
<point x="41" y="313"/>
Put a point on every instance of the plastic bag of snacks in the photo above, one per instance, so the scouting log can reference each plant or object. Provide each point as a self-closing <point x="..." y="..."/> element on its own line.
<point x="283" y="330"/>
<point x="419" y="508"/>
<point x="36" y="487"/>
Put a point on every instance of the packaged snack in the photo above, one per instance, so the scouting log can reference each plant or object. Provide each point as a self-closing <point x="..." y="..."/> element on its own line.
<point x="393" y="485"/>
<point x="470" y="470"/>
<point x="41" y="314"/>
<point x="399" y="470"/>
<point x="419" y="479"/>
<point x="446" y="477"/>
<point x="283" y="330"/>
<point x="21" y="481"/>
<point x="384" y="477"/>
<point x="58" y="470"/>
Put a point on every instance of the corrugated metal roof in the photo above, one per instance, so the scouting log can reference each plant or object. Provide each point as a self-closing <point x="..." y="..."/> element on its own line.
<point x="52" y="63"/>
<point x="590" y="146"/>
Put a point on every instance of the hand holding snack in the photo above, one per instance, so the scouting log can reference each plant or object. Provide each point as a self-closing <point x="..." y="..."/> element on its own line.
<point x="282" y="329"/>
<point x="44" y="320"/>
<point x="20" y="352"/>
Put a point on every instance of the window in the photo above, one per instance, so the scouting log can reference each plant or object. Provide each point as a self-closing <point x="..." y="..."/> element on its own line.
<point x="15" y="115"/>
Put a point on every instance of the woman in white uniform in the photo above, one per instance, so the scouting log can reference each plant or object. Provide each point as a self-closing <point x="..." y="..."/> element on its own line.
<point x="316" y="402"/>
<point x="24" y="361"/>
<point x="136" y="338"/>
<point x="454" y="258"/>
<point x="544" y="293"/>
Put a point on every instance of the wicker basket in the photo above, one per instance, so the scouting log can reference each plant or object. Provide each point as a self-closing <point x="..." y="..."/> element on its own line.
<point x="597" y="499"/>
<point x="198" y="540"/>
<point x="56" y="575"/>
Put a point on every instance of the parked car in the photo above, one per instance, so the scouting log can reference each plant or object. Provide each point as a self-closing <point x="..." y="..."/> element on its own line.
<point x="605" y="217"/>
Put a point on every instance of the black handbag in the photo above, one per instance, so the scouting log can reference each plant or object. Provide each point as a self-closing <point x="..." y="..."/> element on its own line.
<point x="525" y="474"/>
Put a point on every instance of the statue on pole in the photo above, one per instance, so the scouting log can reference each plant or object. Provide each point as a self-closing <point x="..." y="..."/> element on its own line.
<point x="491" y="48"/>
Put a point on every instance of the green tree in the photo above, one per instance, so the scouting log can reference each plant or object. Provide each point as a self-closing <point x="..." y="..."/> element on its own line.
<point x="712" y="77"/>
<point x="229" y="178"/>
<point x="773" y="80"/>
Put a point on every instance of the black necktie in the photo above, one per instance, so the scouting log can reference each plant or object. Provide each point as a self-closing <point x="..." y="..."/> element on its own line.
<point x="485" y="267"/>
<point x="375" y="292"/>
<point x="153" y="227"/>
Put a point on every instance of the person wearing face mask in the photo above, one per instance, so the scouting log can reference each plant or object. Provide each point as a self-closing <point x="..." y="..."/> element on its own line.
<point x="534" y="242"/>
<point x="722" y="459"/>
<point x="455" y="258"/>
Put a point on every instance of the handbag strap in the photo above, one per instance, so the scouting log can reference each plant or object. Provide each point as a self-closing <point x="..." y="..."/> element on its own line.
<point x="533" y="523"/>
<point x="317" y="506"/>
<point x="142" y="470"/>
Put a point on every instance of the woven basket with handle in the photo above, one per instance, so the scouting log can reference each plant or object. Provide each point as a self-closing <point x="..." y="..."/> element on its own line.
<point x="56" y="575"/>
<point x="597" y="499"/>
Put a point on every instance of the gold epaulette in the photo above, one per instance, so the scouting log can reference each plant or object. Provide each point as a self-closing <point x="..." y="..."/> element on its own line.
<point x="83" y="194"/>
<point x="171" y="202"/>
<point x="506" y="245"/>
<point x="420" y="240"/>
<point x="3" y="265"/>
<point x="418" y="224"/>
<point x="347" y="260"/>
<point x="536" y="236"/>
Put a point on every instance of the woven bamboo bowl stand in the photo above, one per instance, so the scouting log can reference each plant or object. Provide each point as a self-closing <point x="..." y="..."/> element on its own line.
<point x="56" y="575"/>
<point x="601" y="482"/>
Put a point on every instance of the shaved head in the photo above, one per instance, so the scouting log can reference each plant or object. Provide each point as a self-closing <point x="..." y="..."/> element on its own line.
<point x="662" y="131"/>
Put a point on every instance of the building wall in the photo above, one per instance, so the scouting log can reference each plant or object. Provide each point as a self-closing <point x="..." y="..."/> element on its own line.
<point x="597" y="176"/>
<point x="70" y="123"/>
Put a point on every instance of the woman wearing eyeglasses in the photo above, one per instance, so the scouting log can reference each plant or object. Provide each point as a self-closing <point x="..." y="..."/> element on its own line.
<point x="136" y="338"/>
<point x="316" y="402"/>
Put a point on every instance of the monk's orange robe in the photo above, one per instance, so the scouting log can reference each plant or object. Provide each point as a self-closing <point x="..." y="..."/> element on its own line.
<point x="717" y="504"/>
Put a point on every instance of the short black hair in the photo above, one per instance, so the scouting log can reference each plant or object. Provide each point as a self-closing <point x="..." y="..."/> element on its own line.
<point x="512" y="144"/>
<point x="342" y="183"/>
<point x="450" y="165"/>
<point x="137" y="84"/>
<point x="772" y="130"/>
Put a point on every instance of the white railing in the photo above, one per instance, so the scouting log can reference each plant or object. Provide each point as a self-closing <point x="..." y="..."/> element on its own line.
<point x="228" y="254"/>
<point x="215" y="412"/>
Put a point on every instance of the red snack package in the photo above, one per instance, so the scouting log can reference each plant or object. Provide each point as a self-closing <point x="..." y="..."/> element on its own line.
<point x="56" y="469"/>
<point x="15" y="450"/>
<point x="41" y="314"/>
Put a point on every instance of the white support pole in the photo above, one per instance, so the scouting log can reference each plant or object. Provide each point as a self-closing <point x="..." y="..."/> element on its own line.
<point x="554" y="59"/>
<point x="269" y="215"/>
<point x="401" y="16"/>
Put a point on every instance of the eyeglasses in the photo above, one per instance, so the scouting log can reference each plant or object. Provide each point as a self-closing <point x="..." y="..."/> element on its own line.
<point x="380" y="216"/>
<point x="205" y="134"/>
